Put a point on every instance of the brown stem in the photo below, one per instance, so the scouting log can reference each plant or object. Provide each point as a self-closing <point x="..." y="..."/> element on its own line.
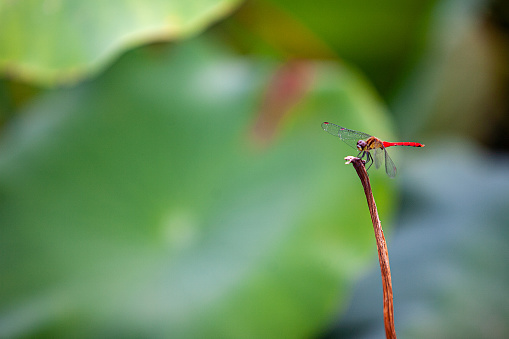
<point x="383" y="254"/>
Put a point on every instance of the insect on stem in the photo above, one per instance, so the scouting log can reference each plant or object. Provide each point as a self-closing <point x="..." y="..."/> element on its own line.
<point x="383" y="254"/>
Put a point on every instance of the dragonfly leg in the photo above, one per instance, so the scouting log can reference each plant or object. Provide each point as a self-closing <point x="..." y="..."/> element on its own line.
<point x="369" y="160"/>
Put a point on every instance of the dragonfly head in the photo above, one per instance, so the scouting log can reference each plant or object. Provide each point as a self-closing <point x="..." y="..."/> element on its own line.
<point x="361" y="145"/>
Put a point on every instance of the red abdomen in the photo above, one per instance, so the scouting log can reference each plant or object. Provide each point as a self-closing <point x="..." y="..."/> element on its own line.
<point x="413" y="144"/>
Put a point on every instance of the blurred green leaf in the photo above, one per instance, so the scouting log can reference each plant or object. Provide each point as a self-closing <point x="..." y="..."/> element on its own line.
<point x="63" y="41"/>
<point x="146" y="202"/>
<point x="381" y="38"/>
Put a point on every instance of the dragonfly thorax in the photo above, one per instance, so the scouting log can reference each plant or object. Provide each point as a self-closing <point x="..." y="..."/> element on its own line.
<point x="369" y="144"/>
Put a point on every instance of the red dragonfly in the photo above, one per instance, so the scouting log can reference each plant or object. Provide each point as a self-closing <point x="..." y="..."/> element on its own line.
<point x="369" y="146"/>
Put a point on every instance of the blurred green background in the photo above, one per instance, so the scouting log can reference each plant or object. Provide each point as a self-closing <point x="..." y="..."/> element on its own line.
<point x="163" y="172"/>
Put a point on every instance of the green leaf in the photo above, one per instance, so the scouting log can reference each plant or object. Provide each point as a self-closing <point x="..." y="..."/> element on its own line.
<point x="381" y="38"/>
<point x="147" y="201"/>
<point x="63" y="41"/>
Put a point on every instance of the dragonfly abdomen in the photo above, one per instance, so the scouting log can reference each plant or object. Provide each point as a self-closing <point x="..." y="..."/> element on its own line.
<point x="412" y="144"/>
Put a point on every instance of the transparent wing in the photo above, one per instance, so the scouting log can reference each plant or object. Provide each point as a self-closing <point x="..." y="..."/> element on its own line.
<point x="390" y="168"/>
<point x="349" y="136"/>
<point x="378" y="156"/>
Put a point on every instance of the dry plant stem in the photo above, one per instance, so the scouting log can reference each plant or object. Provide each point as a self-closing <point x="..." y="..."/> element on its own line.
<point x="383" y="255"/>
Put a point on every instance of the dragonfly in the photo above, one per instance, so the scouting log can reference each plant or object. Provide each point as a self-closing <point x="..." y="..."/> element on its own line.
<point x="369" y="147"/>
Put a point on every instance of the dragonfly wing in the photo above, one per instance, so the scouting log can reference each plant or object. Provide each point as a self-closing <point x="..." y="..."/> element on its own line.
<point x="349" y="136"/>
<point x="377" y="155"/>
<point x="390" y="168"/>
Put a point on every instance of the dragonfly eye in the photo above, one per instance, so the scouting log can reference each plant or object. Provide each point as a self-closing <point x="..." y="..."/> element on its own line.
<point x="361" y="144"/>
